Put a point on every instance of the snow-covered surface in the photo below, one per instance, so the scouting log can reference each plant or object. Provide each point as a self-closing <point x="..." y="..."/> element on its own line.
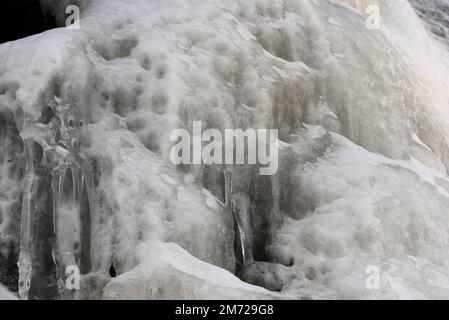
<point x="363" y="123"/>
<point x="6" y="295"/>
<point x="436" y="15"/>
<point x="166" y="271"/>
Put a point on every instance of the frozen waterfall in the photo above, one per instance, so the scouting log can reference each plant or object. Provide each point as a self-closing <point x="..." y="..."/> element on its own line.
<point x="357" y="89"/>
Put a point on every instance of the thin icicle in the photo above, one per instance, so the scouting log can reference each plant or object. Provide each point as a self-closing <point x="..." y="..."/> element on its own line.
<point x="79" y="187"/>
<point x="74" y="184"/>
<point x="88" y="179"/>
<point x="62" y="174"/>
<point x="228" y="188"/>
<point x="82" y="186"/>
<point x="242" y="240"/>
<point x="55" y="191"/>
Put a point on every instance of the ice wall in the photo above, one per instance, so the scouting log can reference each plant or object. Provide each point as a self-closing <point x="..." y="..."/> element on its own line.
<point x="363" y="126"/>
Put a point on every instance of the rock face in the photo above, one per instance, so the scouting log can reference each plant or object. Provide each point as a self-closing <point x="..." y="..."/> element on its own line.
<point x="86" y="178"/>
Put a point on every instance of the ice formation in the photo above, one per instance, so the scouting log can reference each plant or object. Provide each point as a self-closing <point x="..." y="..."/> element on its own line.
<point x="436" y="15"/>
<point x="6" y="295"/>
<point x="86" y="179"/>
<point x="166" y="271"/>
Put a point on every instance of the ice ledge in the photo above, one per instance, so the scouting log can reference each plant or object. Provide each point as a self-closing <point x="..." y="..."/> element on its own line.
<point x="167" y="271"/>
<point x="6" y="295"/>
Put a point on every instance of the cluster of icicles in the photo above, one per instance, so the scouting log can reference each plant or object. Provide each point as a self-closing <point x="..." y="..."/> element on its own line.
<point x="60" y="180"/>
<point x="58" y="176"/>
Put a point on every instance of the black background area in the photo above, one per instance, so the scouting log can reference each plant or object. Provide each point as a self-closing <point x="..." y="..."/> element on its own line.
<point x="23" y="18"/>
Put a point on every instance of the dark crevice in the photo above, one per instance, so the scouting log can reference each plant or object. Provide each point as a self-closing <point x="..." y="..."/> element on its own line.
<point x="23" y="18"/>
<point x="112" y="271"/>
<point x="213" y="180"/>
<point x="238" y="249"/>
<point x="9" y="271"/>
<point x="47" y="115"/>
<point x="261" y="197"/>
<point x="85" y="219"/>
<point x="11" y="157"/>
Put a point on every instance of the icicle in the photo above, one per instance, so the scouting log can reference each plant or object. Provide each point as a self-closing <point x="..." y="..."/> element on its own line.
<point x="242" y="240"/>
<point x="25" y="257"/>
<point x="80" y="183"/>
<point x="228" y="188"/>
<point x="59" y="177"/>
<point x="89" y="182"/>
<point x="62" y="174"/>
<point x="239" y="234"/>
<point x="55" y="190"/>
<point x="74" y="184"/>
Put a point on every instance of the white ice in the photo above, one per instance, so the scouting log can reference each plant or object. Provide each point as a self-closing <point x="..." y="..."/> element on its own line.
<point x="6" y="295"/>
<point x="363" y="125"/>
<point x="166" y="271"/>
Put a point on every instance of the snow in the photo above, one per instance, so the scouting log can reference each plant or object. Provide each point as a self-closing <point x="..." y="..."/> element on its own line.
<point x="85" y="121"/>
<point x="6" y="295"/>
<point x="166" y="271"/>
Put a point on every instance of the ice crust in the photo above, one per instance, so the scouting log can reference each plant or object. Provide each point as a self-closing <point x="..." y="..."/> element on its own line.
<point x="85" y="120"/>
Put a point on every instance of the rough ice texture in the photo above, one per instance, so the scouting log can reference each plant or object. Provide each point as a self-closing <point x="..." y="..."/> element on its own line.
<point x="436" y="15"/>
<point x="85" y="119"/>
